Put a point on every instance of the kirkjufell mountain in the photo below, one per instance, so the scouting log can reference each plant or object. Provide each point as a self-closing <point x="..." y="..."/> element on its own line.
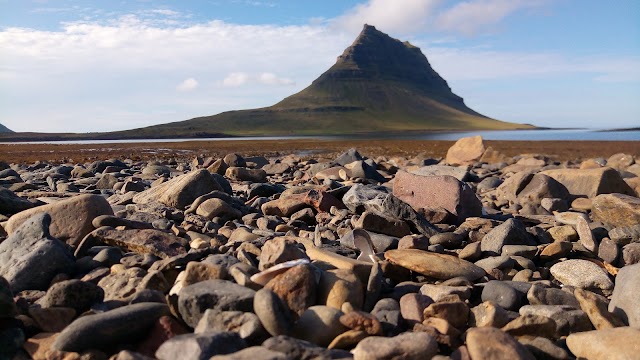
<point x="379" y="84"/>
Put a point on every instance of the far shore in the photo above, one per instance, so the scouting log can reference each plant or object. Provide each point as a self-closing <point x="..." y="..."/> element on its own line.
<point x="75" y="153"/>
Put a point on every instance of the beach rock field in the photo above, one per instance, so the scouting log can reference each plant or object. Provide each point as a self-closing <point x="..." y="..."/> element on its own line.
<point x="473" y="255"/>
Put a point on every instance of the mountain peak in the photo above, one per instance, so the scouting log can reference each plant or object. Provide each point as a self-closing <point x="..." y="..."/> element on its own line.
<point x="376" y="55"/>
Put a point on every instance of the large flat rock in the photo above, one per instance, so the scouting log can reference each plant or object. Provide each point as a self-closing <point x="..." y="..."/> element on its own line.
<point x="439" y="266"/>
<point x="180" y="191"/>
<point x="70" y="218"/>
<point x="591" y="182"/>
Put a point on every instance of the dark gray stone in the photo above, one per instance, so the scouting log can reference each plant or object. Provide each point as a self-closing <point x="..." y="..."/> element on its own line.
<point x="75" y="294"/>
<point x="11" y="340"/>
<point x="200" y="346"/>
<point x="246" y="324"/>
<point x="511" y="232"/>
<point x="348" y="157"/>
<point x="303" y="350"/>
<point x="31" y="257"/>
<point x="502" y="294"/>
<point x="540" y="295"/>
<point x="496" y="262"/>
<point x="220" y="295"/>
<point x="121" y="325"/>
<point x="11" y="203"/>
<point x="7" y="305"/>
<point x="625" y="234"/>
<point x="264" y="189"/>
<point x="448" y="240"/>
<point x="387" y="311"/>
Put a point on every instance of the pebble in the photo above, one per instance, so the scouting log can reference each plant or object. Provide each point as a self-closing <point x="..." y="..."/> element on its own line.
<point x="221" y="295"/>
<point x="502" y="294"/>
<point x="624" y="300"/>
<point x="246" y="324"/>
<point x="608" y="344"/>
<point x="200" y="346"/>
<point x="75" y="294"/>
<point x="492" y="343"/>
<point x="439" y="266"/>
<point x="283" y="257"/>
<point x="411" y="345"/>
<point x="30" y="257"/>
<point x="319" y="325"/>
<point x="272" y="312"/>
<point x="581" y="274"/>
<point x="109" y="328"/>
<point x="511" y="232"/>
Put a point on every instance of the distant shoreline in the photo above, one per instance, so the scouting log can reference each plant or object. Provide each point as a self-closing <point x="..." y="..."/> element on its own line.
<point x="23" y="137"/>
<point x="74" y="153"/>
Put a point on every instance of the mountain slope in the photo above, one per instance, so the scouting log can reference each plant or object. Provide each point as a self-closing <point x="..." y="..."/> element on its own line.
<point x="378" y="84"/>
<point x="4" y="129"/>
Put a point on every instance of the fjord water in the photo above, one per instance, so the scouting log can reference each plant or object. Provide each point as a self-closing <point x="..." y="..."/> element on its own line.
<point x="509" y="135"/>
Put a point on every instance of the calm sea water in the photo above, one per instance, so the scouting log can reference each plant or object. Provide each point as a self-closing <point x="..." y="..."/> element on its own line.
<point x="515" y="135"/>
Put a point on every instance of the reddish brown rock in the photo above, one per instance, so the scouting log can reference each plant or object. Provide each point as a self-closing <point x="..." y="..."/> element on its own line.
<point x="296" y="287"/>
<point x="279" y="250"/>
<point x="432" y="192"/>
<point x="322" y="201"/>
<point x="363" y="321"/>
<point x="381" y="224"/>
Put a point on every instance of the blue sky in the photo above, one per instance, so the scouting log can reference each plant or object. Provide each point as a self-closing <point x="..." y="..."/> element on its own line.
<point x="110" y="65"/>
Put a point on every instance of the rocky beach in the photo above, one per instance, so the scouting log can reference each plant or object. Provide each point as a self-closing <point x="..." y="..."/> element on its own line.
<point x="306" y="250"/>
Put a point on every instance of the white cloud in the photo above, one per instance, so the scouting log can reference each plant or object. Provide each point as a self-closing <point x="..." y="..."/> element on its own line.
<point x="411" y="16"/>
<point x="236" y="79"/>
<point x="132" y="66"/>
<point x="189" y="84"/>
<point x="388" y="15"/>
<point x="469" y="17"/>
<point x="273" y="79"/>
<point x="165" y="12"/>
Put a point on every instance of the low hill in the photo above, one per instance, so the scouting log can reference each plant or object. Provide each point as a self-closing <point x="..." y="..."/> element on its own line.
<point x="4" y="129"/>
